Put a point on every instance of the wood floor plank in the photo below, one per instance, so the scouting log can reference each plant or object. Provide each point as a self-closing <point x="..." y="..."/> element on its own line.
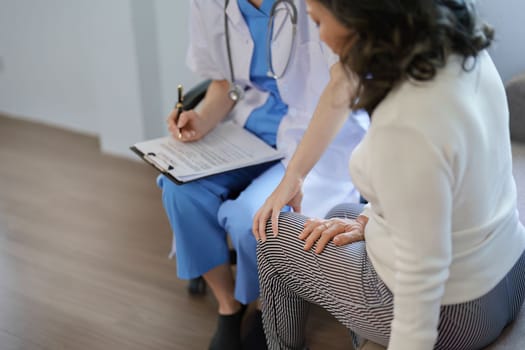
<point x="83" y="253"/>
<point x="10" y="342"/>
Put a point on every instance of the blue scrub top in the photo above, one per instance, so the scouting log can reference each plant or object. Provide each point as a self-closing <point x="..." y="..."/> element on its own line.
<point x="263" y="121"/>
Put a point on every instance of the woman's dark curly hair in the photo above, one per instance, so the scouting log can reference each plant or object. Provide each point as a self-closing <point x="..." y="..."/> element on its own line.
<point x="405" y="39"/>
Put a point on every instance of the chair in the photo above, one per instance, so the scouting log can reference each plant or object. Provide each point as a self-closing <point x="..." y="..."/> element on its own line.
<point x="195" y="95"/>
<point x="515" y="90"/>
<point x="511" y="339"/>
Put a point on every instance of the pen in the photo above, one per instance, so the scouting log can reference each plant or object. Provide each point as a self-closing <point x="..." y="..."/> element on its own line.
<point x="180" y="107"/>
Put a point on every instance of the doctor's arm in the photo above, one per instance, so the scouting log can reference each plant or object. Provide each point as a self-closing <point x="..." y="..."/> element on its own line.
<point x="330" y="114"/>
<point x="192" y="124"/>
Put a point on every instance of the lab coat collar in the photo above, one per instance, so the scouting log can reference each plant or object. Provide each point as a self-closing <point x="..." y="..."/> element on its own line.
<point x="234" y="13"/>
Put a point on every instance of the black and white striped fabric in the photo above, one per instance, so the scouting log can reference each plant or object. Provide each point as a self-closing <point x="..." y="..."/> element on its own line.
<point x="343" y="281"/>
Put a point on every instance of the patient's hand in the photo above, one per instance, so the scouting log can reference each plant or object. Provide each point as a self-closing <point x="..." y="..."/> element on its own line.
<point x="340" y="231"/>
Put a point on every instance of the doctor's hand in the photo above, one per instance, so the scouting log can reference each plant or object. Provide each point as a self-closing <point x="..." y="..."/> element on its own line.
<point x="288" y="192"/>
<point x="340" y="231"/>
<point x="188" y="126"/>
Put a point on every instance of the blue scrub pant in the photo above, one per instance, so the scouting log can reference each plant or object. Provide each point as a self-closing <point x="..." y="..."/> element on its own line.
<point x="202" y="213"/>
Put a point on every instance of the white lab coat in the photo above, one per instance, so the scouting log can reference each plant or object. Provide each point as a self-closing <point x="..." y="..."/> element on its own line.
<point x="329" y="182"/>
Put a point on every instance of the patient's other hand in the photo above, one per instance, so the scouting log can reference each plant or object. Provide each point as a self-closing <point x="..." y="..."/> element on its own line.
<point x="340" y="231"/>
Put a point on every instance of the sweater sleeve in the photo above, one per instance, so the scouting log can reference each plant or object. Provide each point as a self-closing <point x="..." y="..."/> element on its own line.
<point x="413" y="184"/>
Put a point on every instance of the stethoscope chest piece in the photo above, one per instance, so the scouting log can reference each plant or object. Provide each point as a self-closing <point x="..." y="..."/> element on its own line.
<point x="235" y="92"/>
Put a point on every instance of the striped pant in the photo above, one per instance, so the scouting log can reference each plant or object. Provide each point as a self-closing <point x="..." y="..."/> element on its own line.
<point x="343" y="281"/>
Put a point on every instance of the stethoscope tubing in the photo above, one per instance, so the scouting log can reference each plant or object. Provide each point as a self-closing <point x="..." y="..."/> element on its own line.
<point x="235" y="91"/>
<point x="289" y="6"/>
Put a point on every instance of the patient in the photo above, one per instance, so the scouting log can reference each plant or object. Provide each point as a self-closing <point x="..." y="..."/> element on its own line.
<point x="443" y="264"/>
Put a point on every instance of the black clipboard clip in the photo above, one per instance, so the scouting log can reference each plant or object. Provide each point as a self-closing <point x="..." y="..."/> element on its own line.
<point x="158" y="163"/>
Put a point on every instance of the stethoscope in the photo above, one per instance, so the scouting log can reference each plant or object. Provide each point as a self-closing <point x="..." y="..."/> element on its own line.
<point x="235" y="91"/>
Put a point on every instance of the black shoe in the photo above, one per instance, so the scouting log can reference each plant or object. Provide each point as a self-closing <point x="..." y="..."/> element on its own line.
<point x="197" y="286"/>
<point x="254" y="338"/>
<point x="228" y="333"/>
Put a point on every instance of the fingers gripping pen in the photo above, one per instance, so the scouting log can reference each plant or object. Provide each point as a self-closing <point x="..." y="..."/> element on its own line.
<point x="180" y="107"/>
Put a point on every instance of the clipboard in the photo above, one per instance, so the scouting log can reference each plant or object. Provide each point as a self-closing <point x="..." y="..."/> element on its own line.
<point x="227" y="147"/>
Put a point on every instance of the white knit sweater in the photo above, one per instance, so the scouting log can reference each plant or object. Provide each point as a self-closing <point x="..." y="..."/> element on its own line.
<point x="436" y="169"/>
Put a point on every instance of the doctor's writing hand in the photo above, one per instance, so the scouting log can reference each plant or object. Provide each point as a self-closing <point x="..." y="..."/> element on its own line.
<point x="340" y="231"/>
<point x="188" y="126"/>
<point x="288" y="192"/>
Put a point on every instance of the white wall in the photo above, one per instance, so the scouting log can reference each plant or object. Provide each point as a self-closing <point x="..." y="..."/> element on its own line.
<point x="72" y="64"/>
<point x="107" y="68"/>
<point x="146" y="50"/>
<point x="172" y="29"/>
<point x="118" y="91"/>
<point x="111" y="67"/>
<point x="161" y="37"/>
<point x="508" y="51"/>
<point x="48" y="71"/>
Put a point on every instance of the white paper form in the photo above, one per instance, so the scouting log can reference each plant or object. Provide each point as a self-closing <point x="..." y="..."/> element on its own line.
<point x="227" y="147"/>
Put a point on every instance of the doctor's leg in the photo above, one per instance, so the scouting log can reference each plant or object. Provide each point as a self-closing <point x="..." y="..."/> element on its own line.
<point x="201" y="242"/>
<point x="199" y="247"/>
<point x="236" y="217"/>
<point x="192" y="212"/>
<point x="202" y="247"/>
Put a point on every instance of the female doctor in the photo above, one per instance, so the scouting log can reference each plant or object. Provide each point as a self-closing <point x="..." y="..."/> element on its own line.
<point x="273" y="96"/>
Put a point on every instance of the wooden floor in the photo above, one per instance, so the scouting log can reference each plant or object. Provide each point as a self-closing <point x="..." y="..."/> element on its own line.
<point x="83" y="253"/>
